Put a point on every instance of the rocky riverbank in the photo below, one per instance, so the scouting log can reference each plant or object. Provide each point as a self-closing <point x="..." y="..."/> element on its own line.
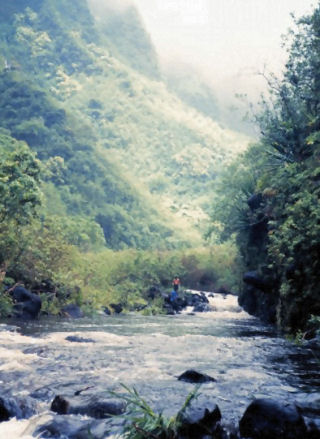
<point x="87" y="414"/>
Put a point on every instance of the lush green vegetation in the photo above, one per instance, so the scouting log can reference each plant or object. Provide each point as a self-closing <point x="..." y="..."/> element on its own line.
<point x="270" y="198"/>
<point x="97" y="279"/>
<point x="143" y="422"/>
<point x="104" y="173"/>
<point x="126" y="37"/>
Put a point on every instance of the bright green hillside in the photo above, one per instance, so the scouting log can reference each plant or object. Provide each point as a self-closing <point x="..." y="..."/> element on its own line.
<point x="113" y="126"/>
<point x="122" y="161"/>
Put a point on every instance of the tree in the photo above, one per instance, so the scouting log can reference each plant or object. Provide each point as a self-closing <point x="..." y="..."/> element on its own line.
<point x="278" y="236"/>
<point x="19" y="195"/>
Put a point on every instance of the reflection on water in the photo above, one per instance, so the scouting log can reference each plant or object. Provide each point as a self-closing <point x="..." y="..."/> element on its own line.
<point x="245" y="357"/>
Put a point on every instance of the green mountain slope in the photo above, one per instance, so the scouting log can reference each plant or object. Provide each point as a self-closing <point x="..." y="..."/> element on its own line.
<point x="132" y="157"/>
<point x="125" y="35"/>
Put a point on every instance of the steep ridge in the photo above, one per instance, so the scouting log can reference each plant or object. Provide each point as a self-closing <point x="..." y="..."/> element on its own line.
<point x="132" y="156"/>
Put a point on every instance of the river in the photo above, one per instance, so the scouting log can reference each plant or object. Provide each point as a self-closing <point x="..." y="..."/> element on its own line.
<point x="247" y="359"/>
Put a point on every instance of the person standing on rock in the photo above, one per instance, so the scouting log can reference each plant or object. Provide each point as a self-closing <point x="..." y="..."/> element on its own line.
<point x="176" y="283"/>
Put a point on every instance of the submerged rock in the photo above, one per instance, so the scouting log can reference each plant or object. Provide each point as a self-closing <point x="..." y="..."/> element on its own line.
<point x="74" y="427"/>
<point x="77" y="339"/>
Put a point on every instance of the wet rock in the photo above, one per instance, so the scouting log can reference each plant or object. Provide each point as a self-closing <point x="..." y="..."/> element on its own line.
<point x="71" y="427"/>
<point x="309" y="407"/>
<point x="73" y="311"/>
<point x="313" y="429"/>
<point x="192" y="376"/>
<point x="173" y="307"/>
<point x="20" y="408"/>
<point x="258" y="303"/>
<point x="194" y="299"/>
<point x="93" y="406"/>
<point x="313" y="343"/>
<point x="74" y="427"/>
<point x="77" y="339"/>
<point x="60" y="405"/>
<point x="267" y="419"/>
<point x="41" y="351"/>
<point x="200" y="420"/>
<point x="202" y="307"/>
<point x="27" y="305"/>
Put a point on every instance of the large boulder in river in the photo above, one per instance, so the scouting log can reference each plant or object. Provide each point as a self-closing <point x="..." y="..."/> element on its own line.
<point x="193" y="376"/>
<point x="201" y="419"/>
<point x="20" y="408"/>
<point x="27" y="305"/>
<point x="94" y="406"/>
<point x="194" y="299"/>
<point x="268" y="419"/>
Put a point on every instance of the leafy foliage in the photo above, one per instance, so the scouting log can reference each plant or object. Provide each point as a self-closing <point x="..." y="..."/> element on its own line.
<point x="143" y="422"/>
<point x="126" y="36"/>
<point x="279" y="236"/>
<point x="20" y="195"/>
<point x="124" y="163"/>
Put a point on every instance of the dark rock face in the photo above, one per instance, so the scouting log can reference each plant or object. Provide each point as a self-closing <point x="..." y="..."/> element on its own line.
<point x="72" y="311"/>
<point x="258" y="296"/>
<point x="201" y="419"/>
<point x="20" y="408"/>
<point x="199" y="301"/>
<point x="27" y="305"/>
<point x="266" y="419"/>
<point x="192" y="376"/>
<point x="194" y="299"/>
<point x="253" y="278"/>
<point x="92" y="406"/>
<point x="60" y="405"/>
<point x="258" y="303"/>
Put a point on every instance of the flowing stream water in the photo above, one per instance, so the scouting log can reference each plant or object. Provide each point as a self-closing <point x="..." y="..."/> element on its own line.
<point x="247" y="359"/>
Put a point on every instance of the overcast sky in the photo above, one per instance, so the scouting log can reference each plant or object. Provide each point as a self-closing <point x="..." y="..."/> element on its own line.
<point x="223" y="38"/>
